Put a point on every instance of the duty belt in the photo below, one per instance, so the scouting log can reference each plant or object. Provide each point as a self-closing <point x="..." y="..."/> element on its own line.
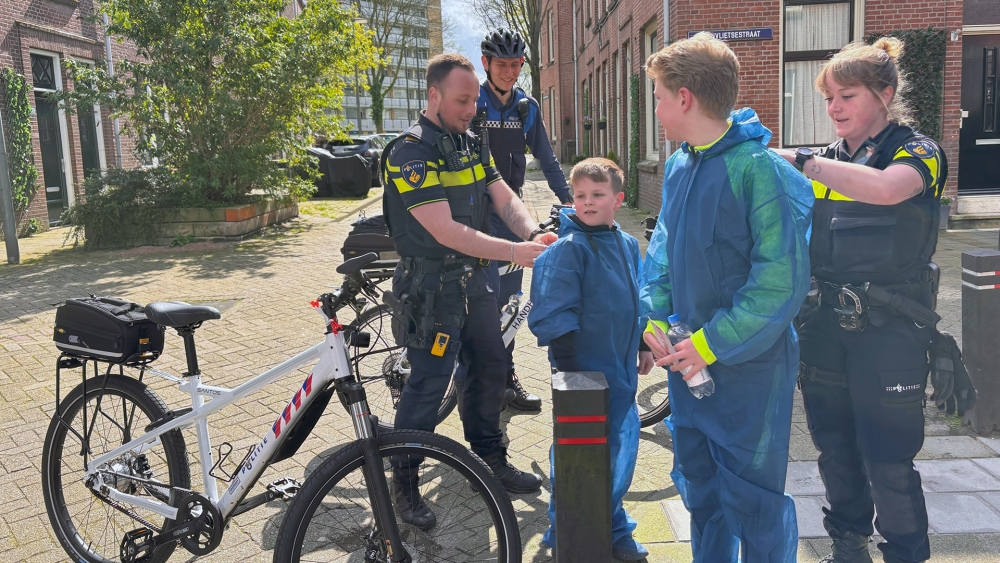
<point x="852" y="303"/>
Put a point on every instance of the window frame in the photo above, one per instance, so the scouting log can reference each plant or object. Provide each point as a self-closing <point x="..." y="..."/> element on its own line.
<point x="650" y="34"/>
<point x="807" y="56"/>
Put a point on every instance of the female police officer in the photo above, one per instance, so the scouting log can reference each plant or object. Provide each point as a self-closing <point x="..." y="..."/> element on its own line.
<point x="863" y="345"/>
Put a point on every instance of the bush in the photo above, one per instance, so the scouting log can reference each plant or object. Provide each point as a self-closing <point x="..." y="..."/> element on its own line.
<point x="612" y="156"/>
<point x="120" y="208"/>
<point x="577" y="158"/>
<point x="922" y="64"/>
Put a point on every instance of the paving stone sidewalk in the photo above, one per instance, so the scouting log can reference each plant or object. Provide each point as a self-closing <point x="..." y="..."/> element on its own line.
<point x="264" y="286"/>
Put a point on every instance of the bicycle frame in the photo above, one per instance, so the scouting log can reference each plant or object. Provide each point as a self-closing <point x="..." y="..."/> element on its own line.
<point x="333" y="366"/>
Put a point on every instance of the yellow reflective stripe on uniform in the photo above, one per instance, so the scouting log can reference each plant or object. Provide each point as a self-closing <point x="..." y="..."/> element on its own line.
<point x="390" y="167"/>
<point x="933" y="163"/>
<point x="479" y="172"/>
<point x="425" y="203"/>
<point x="822" y="192"/>
<point x="460" y="178"/>
<point x="431" y="179"/>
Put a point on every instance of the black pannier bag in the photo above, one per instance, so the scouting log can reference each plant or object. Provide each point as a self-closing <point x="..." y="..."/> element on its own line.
<point x="109" y="329"/>
<point x="369" y="235"/>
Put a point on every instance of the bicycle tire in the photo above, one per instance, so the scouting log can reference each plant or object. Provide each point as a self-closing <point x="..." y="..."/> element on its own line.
<point x="63" y="487"/>
<point x="440" y="454"/>
<point x="374" y="369"/>
<point x="652" y="399"/>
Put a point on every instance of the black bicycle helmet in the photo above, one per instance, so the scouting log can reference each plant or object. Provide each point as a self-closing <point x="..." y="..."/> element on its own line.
<point x="503" y="44"/>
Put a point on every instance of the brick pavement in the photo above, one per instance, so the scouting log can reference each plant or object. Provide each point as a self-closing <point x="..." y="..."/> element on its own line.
<point x="264" y="286"/>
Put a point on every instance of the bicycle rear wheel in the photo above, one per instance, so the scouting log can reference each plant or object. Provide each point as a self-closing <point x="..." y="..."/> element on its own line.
<point x="383" y="369"/>
<point x="331" y="518"/>
<point x="651" y="397"/>
<point x="88" y="527"/>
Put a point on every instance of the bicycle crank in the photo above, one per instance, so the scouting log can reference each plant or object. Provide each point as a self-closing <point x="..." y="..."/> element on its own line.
<point x="201" y="525"/>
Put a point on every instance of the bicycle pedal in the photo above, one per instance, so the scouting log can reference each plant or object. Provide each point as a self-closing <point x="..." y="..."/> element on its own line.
<point x="286" y="487"/>
<point x="137" y="546"/>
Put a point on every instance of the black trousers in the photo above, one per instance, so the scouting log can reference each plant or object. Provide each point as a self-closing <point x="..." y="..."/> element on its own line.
<point x="482" y="351"/>
<point x="868" y="427"/>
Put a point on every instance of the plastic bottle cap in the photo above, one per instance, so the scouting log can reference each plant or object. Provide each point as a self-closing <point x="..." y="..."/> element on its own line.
<point x="674" y="319"/>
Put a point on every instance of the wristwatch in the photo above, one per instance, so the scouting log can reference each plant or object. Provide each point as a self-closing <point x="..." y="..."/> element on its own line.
<point x="802" y="154"/>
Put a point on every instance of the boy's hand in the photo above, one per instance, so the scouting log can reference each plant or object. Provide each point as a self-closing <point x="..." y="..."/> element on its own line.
<point x="685" y="356"/>
<point x="646" y="362"/>
<point x="545" y="238"/>
<point x="524" y="253"/>
<point x="657" y="350"/>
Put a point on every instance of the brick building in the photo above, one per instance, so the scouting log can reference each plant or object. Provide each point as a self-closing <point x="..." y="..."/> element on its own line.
<point x="591" y="49"/>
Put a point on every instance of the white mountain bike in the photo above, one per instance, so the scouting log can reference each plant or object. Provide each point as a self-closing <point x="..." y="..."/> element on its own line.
<point x="116" y="478"/>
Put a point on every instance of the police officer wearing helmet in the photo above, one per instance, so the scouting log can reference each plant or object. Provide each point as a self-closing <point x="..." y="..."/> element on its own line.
<point x="868" y="323"/>
<point x="440" y="187"/>
<point x="513" y="119"/>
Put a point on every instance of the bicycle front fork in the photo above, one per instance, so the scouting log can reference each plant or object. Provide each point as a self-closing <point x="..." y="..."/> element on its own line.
<point x="366" y="428"/>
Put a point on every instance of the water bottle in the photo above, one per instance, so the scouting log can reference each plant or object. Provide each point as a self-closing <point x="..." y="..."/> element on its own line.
<point x="509" y="310"/>
<point x="701" y="385"/>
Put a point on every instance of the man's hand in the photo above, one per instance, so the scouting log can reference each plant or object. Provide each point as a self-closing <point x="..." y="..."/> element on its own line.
<point x="654" y="345"/>
<point x="685" y="356"/>
<point x="524" y="253"/>
<point x="545" y="238"/>
<point x="645" y="362"/>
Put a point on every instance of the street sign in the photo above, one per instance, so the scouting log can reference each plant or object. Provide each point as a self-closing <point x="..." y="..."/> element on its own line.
<point x="752" y="34"/>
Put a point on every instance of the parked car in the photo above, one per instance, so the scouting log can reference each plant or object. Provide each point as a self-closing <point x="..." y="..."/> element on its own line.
<point x="368" y="146"/>
<point x="386" y="137"/>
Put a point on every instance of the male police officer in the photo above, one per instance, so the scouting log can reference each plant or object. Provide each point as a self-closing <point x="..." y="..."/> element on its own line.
<point x="513" y="120"/>
<point x="440" y="189"/>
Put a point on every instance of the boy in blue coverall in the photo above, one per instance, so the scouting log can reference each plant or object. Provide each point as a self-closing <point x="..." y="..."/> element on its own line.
<point x="586" y="331"/>
<point x="730" y="256"/>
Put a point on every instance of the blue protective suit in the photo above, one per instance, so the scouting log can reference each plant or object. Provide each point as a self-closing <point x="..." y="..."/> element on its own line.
<point x="587" y="284"/>
<point x="730" y="255"/>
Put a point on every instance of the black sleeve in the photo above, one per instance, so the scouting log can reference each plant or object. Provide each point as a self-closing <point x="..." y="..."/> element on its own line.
<point x="564" y="352"/>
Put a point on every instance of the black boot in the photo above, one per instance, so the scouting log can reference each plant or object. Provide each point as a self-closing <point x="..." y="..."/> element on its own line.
<point x="406" y="499"/>
<point x="522" y="400"/>
<point x="512" y="478"/>
<point x="849" y="548"/>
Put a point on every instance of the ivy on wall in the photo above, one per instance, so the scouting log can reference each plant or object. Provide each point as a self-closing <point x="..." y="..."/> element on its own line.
<point x="632" y="189"/>
<point x="922" y="65"/>
<point x="21" y="158"/>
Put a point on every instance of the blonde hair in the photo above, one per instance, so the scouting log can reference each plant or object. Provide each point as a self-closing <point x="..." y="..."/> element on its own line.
<point x="705" y="66"/>
<point x="598" y="170"/>
<point x="874" y="67"/>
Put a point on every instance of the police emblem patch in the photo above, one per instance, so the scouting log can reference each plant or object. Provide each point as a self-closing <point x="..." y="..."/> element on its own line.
<point x="920" y="149"/>
<point x="414" y="172"/>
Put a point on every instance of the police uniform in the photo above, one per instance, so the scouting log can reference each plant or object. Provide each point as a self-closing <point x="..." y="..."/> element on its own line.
<point x="511" y="127"/>
<point x="457" y="298"/>
<point x="864" y="356"/>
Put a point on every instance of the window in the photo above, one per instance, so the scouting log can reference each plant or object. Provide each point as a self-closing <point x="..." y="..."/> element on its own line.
<point x="552" y="113"/>
<point x="551" y="41"/>
<point x="627" y="93"/>
<point x="616" y="108"/>
<point x="814" y="31"/>
<point x="652" y="127"/>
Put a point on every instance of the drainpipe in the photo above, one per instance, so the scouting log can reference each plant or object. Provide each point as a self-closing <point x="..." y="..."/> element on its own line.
<point x="111" y="74"/>
<point x="576" y="87"/>
<point x="7" y="205"/>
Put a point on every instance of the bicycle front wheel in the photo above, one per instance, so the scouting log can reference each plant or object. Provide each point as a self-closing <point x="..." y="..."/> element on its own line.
<point x="88" y="526"/>
<point x="383" y="369"/>
<point x="331" y="518"/>
<point x="651" y="397"/>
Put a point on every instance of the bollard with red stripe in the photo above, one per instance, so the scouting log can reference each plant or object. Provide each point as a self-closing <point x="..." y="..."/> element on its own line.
<point x="980" y="337"/>
<point x="582" y="467"/>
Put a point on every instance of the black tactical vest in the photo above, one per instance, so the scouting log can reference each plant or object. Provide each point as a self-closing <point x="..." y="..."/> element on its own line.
<point x="854" y="242"/>
<point x="469" y="201"/>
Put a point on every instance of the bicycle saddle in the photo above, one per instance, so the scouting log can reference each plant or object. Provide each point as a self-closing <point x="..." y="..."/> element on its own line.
<point x="356" y="264"/>
<point x="178" y="313"/>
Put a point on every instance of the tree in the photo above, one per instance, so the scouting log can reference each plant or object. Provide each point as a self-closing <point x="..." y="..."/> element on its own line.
<point x="449" y="34"/>
<point x="222" y="87"/>
<point x="524" y="17"/>
<point x="393" y="34"/>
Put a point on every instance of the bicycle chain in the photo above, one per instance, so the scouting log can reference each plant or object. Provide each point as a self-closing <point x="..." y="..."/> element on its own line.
<point x="125" y="510"/>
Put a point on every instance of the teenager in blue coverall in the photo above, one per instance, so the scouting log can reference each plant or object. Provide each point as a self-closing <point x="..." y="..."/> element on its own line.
<point x="729" y="255"/>
<point x="586" y="295"/>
